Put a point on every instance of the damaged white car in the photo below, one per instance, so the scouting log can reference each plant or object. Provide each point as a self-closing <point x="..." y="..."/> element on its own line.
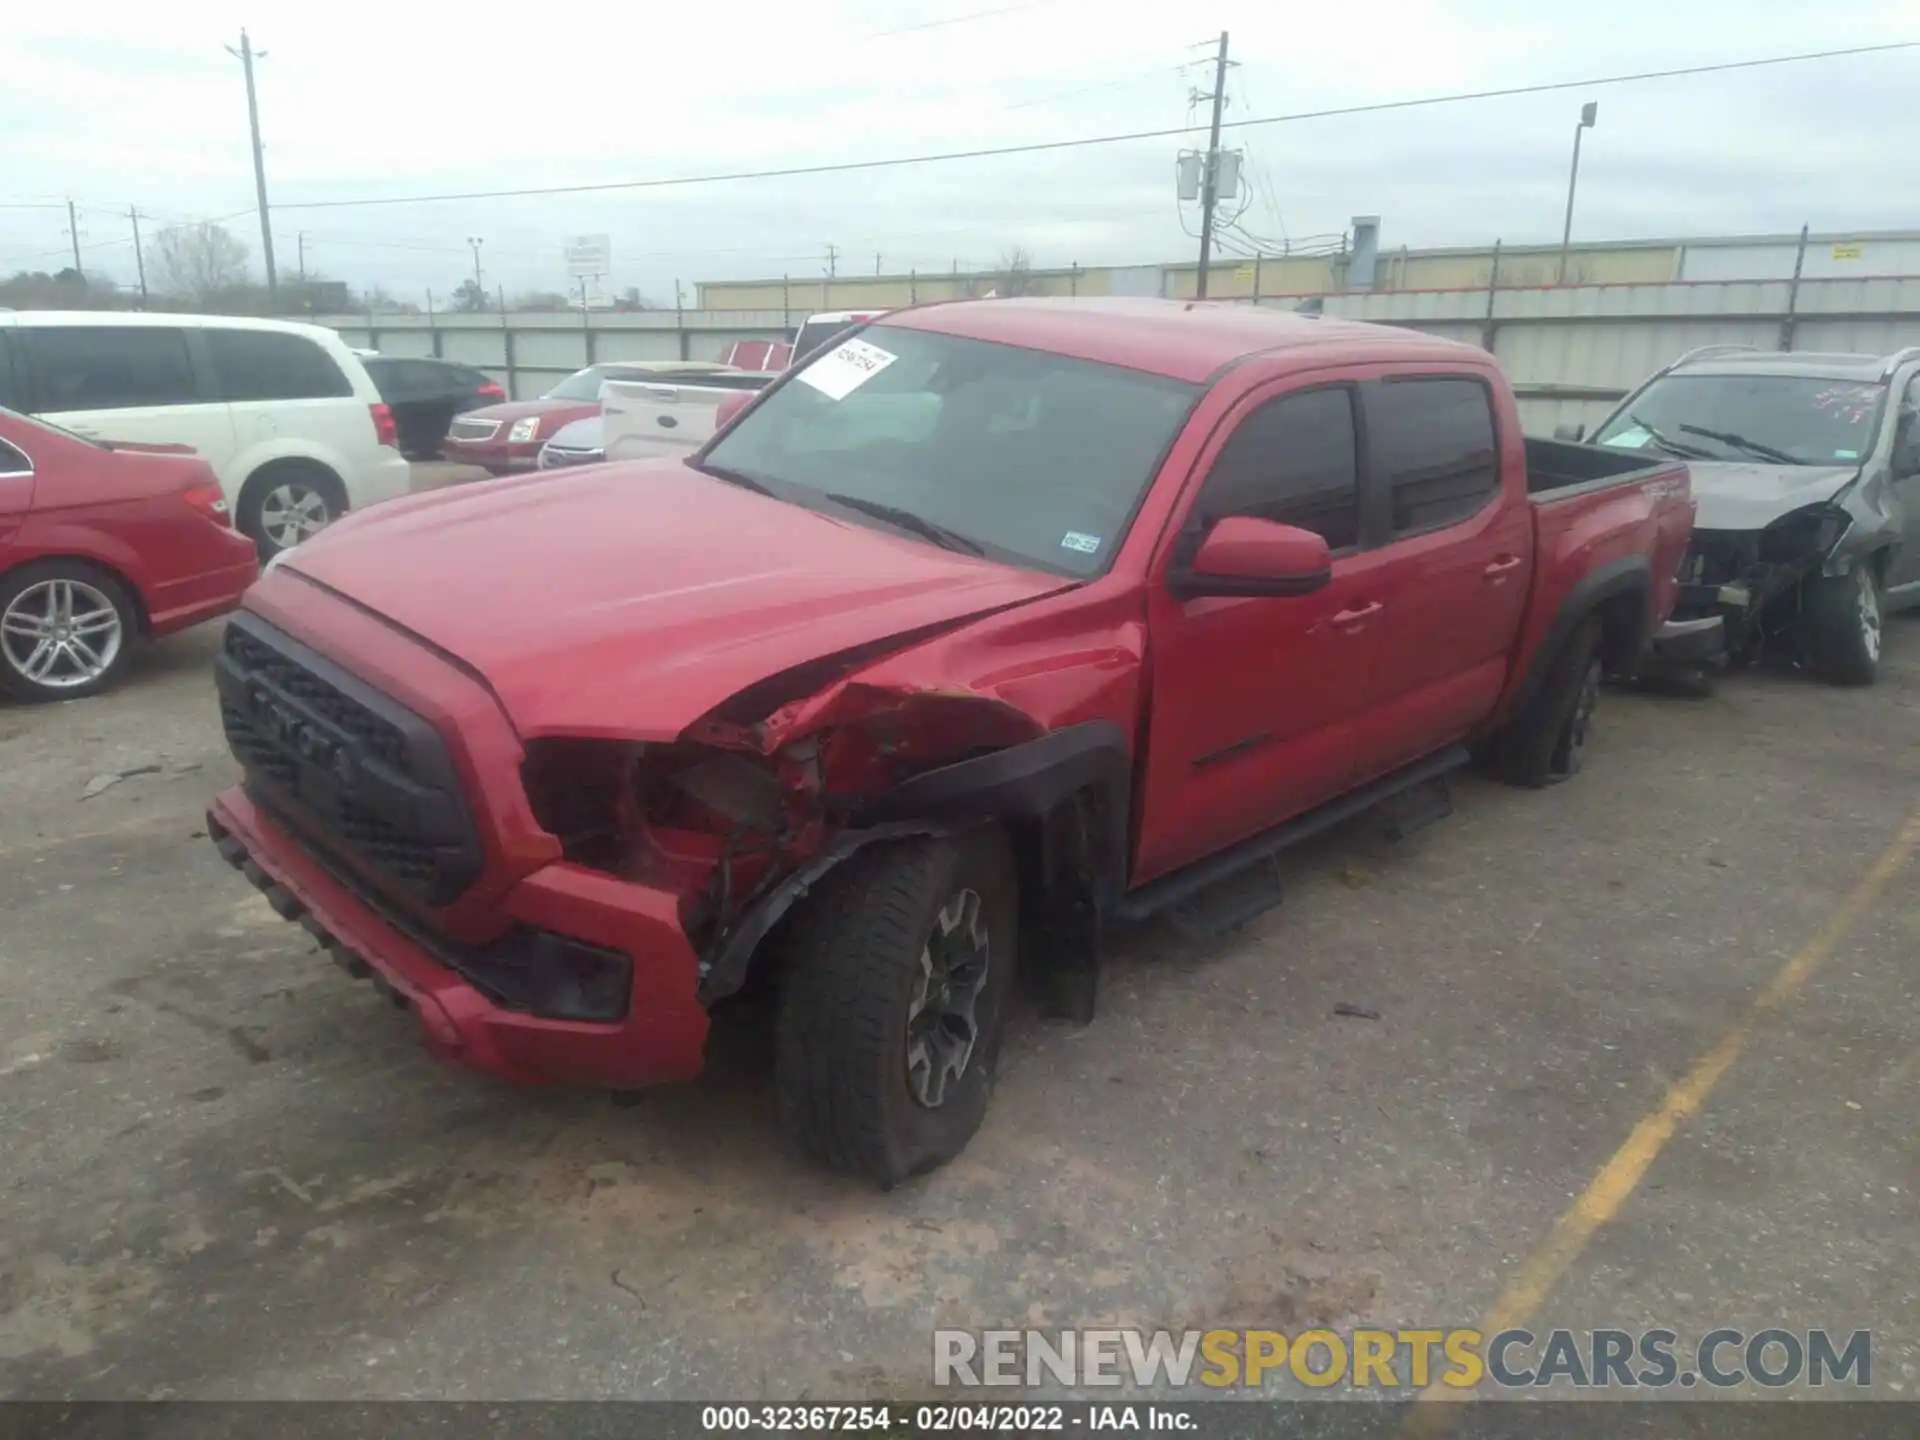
<point x="1806" y="468"/>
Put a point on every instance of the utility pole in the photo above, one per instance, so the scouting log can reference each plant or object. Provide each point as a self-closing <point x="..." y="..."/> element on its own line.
<point x="73" y="231"/>
<point x="476" y="242"/>
<point x="139" y="259"/>
<point x="1589" y="113"/>
<point x="1209" y="173"/>
<point x="876" y="262"/>
<point x="246" y="54"/>
<point x="300" y="238"/>
<point x="833" y="262"/>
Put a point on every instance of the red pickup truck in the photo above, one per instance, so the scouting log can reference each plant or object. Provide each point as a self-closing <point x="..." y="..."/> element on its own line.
<point x="993" y="625"/>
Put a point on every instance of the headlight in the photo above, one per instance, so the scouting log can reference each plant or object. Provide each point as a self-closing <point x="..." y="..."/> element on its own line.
<point x="524" y="430"/>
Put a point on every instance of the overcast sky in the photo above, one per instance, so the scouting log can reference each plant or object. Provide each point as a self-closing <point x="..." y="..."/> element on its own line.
<point x="123" y="105"/>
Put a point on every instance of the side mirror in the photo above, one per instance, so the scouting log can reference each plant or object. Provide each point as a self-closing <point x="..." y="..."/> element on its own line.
<point x="1567" y="431"/>
<point x="1242" y="555"/>
<point x="730" y="407"/>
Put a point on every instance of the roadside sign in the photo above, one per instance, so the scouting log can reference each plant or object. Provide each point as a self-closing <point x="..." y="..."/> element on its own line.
<point x="1848" y="251"/>
<point x="589" y="255"/>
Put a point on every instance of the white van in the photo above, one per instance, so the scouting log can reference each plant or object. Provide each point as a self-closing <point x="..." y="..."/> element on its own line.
<point x="285" y="413"/>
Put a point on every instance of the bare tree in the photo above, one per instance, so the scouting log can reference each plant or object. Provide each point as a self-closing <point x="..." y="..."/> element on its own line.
<point x="199" y="262"/>
<point x="1016" y="274"/>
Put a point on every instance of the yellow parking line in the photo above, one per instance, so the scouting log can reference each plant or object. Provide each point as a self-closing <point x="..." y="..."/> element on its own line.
<point x="1618" y="1178"/>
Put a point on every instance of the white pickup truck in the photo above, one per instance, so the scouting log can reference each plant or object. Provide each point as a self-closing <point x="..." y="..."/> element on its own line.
<point x="640" y="419"/>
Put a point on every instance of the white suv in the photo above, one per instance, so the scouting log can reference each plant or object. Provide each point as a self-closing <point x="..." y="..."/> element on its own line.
<point x="285" y="413"/>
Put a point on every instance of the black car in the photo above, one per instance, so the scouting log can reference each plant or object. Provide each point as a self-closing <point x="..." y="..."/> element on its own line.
<point x="425" y="394"/>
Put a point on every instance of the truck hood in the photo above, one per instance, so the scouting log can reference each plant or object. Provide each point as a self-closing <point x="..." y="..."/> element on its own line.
<point x="626" y="601"/>
<point x="1742" y="496"/>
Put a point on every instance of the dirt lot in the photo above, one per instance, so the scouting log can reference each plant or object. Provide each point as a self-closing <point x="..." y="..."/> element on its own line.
<point x="227" y="1171"/>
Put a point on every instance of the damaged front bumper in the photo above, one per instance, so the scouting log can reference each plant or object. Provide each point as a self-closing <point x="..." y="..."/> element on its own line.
<point x="1690" y="644"/>
<point x="622" y="943"/>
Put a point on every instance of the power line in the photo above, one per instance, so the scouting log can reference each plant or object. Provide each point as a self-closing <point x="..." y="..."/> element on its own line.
<point x="959" y="19"/>
<point x="1040" y="146"/>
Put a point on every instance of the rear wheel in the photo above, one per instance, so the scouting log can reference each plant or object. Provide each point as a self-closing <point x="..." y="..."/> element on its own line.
<point x="1546" y="741"/>
<point x="1843" y="624"/>
<point x="287" y="502"/>
<point x="893" y="1002"/>
<point x="66" y="630"/>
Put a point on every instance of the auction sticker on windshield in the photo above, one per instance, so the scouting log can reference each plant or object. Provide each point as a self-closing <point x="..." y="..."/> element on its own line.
<point x="846" y="368"/>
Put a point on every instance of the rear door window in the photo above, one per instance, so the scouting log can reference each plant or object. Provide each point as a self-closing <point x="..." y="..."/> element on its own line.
<point x="109" y="367"/>
<point x="1294" y="460"/>
<point x="1431" y="446"/>
<point x="274" y="365"/>
<point x="13" y="461"/>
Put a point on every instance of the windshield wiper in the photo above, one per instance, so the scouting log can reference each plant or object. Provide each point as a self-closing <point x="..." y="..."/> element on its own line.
<point x="1668" y="443"/>
<point x="732" y="477"/>
<point x="918" y="524"/>
<point x="1740" y="442"/>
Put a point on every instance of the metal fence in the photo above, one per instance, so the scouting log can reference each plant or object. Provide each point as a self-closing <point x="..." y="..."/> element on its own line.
<point x="1571" y="351"/>
<point x="529" y="352"/>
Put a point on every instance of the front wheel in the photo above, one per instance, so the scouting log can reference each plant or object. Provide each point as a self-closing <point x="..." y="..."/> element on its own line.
<point x="894" y="999"/>
<point x="1843" y="623"/>
<point x="66" y="629"/>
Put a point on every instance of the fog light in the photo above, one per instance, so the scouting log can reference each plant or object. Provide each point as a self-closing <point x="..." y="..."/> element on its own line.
<point x="552" y="976"/>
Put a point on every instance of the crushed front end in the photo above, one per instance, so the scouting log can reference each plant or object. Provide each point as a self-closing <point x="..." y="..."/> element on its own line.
<point x="378" y="817"/>
<point x="1752" y="579"/>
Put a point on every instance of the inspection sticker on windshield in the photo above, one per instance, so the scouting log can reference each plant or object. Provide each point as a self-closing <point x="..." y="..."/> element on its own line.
<point x="845" y="368"/>
<point x="1085" y="544"/>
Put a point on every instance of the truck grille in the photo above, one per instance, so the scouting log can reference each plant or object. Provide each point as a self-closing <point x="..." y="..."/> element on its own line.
<point x="554" y="457"/>
<point x="465" y="429"/>
<point x="343" y="765"/>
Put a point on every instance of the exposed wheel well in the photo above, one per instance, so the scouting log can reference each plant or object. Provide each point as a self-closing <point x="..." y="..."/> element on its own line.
<point x="1623" y="628"/>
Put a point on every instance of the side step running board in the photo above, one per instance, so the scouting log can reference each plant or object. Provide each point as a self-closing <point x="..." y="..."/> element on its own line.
<point x="1182" y="886"/>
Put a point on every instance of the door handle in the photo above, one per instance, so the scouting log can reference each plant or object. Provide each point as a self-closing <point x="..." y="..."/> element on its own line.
<point x="1505" y="565"/>
<point x="1354" y="617"/>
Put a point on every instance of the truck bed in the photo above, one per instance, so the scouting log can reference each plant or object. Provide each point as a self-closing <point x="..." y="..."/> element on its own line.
<point x="1557" y="469"/>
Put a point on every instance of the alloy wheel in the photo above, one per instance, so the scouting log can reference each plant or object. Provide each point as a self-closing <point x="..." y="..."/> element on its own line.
<point x="1869" y="613"/>
<point x="61" y="634"/>
<point x="293" y="511"/>
<point x="942" y="1028"/>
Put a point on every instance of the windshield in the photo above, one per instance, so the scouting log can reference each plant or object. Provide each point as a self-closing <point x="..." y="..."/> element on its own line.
<point x="1773" y="419"/>
<point x="581" y="385"/>
<point x="816" y="333"/>
<point x="1027" y="457"/>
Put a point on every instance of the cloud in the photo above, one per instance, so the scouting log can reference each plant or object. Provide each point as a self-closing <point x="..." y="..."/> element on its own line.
<point x="359" y="99"/>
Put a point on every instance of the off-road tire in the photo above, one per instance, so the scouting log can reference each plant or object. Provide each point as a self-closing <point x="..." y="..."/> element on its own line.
<point x="848" y="978"/>
<point x="1545" y="742"/>
<point x="15" y="583"/>
<point x="1843" y="619"/>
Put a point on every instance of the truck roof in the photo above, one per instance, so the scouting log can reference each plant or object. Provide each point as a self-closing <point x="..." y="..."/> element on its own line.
<point x="1181" y="339"/>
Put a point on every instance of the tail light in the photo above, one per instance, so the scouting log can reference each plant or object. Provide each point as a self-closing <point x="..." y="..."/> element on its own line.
<point x="210" y="501"/>
<point x="383" y="429"/>
<point x="491" y="391"/>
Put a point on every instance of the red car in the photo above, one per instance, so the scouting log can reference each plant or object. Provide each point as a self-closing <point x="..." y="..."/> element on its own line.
<point x="507" y="437"/>
<point x="998" y="625"/>
<point x="102" y="546"/>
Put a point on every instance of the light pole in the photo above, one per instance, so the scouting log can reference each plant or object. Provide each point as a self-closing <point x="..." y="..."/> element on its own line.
<point x="476" y="242"/>
<point x="1589" y="113"/>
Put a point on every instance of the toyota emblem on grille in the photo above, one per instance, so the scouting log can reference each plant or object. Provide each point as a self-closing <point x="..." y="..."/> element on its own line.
<point x="298" y="736"/>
